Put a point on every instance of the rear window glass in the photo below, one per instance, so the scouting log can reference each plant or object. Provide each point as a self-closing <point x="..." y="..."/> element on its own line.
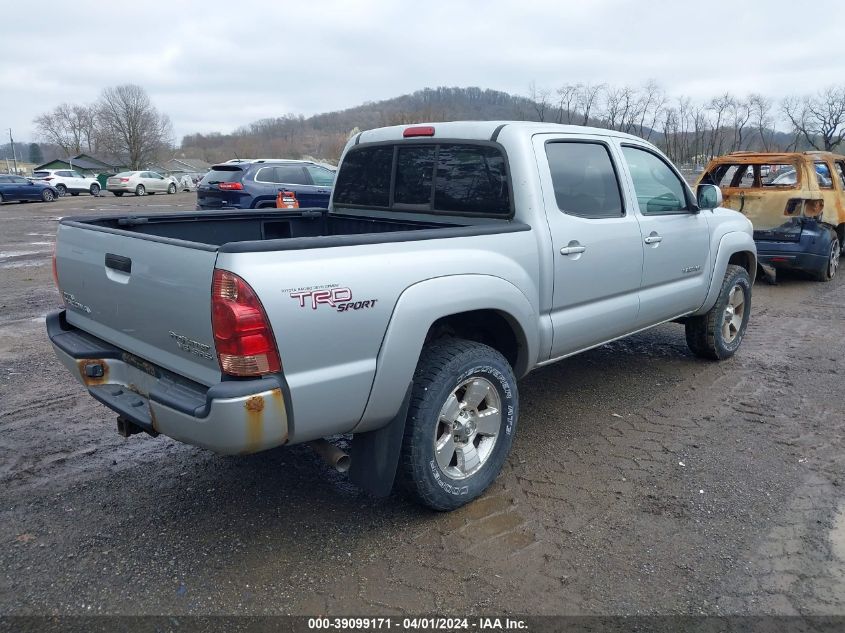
<point x="457" y="178"/>
<point x="364" y="178"/>
<point x="41" y="173"/>
<point x="414" y="169"/>
<point x="221" y="175"/>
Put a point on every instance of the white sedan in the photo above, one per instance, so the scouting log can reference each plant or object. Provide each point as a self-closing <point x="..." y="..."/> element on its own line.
<point x="140" y="183"/>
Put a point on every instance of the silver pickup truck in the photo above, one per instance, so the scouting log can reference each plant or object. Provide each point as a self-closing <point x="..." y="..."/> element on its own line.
<point x="454" y="258"/>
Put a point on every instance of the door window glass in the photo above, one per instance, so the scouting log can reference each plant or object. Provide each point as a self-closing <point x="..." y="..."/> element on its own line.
<point x="321" y="176"/>
<point x="657" y="187"/>
<point x="584" y="180"/>
<point x="290" y="175"/>
<point x="823" y="174"/>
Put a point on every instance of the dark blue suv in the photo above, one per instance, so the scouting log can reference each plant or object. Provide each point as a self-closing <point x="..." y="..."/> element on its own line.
<point x="254" y="184"/>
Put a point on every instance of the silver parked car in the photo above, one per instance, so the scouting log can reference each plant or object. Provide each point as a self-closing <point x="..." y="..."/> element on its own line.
<point x="140" y="183"/>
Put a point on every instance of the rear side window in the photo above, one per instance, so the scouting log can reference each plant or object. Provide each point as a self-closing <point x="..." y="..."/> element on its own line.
<point x="216" y="176"/>
<point x="584" y="180"/>
<point x="321" y="176"/>
<point x="439" y="178"/>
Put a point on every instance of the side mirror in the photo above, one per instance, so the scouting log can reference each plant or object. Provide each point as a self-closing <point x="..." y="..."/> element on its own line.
<point x="708" y="196"/>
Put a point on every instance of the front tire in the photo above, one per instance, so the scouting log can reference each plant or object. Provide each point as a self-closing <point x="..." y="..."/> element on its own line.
<point x="94" y="190"/>
<point x="718" y="334"/>
<point x="461" y="423"/>
<point x="47" y="196"/>
<point x="140" y="190"/>
<point x="171" y="189"/>
<point x="61" y="190"/>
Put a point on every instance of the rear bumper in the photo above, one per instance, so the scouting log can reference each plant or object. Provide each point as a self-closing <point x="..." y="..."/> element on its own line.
<point x="239" y="416"/>
<point x="809" y="254"/>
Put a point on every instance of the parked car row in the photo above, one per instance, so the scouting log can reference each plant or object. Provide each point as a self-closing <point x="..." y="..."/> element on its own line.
<point x="67" y="181"/>
<point x="140" y="183"/>
<point x="17" y="188"/>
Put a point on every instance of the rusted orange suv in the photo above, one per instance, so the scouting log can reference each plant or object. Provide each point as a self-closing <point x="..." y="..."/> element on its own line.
<point x="796" y="202"/>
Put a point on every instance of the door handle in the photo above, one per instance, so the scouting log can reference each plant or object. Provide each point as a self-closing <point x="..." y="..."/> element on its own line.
<point x="572" y="250"/>
<point x="654" y="238"/>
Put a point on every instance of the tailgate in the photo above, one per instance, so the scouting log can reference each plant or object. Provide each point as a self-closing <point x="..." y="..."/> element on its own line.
<point x="149" y="297"/>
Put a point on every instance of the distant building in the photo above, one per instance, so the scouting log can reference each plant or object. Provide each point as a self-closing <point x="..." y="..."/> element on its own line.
<point x="186" y="167"/>
<point x="87" y="165"/>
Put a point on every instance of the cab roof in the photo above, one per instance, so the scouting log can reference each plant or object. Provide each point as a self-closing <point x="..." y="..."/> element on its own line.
<point x="485" y="130"/>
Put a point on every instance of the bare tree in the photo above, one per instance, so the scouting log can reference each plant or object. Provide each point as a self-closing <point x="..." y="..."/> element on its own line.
<point x="588" y="97"/>
<point x="130" y="126"/>
<point x="567" y="97"/>
<point x="540" y="101"/>
<point x="760" y="108"/>
<point x="819" y="119"/>
<point x="70" y="126"/>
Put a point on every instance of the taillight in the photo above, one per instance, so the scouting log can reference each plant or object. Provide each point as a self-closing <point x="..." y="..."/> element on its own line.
<point x="230" y="186"/>
<point x="124" y="180"/>
<point x="242" y="334"/>
<point x="56" y="271"/>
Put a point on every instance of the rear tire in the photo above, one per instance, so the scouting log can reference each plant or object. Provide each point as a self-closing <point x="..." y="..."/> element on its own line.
<point x="718" y="334"/>
<point x="461" y="423"/>
<point x="1" y="199"/>
<point x="140" y="190"/>
<point x="829" y="271"/>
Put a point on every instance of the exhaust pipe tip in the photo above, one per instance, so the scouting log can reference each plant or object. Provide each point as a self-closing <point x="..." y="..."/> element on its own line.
<point x="331" y="454"/>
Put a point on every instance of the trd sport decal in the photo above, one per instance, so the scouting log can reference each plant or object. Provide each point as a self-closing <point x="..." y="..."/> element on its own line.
<point x="338" y="298"/>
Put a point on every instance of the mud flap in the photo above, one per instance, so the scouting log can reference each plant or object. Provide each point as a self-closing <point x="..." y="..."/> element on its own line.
<point x="375" y="454"/>
<point x="769" y="275"/>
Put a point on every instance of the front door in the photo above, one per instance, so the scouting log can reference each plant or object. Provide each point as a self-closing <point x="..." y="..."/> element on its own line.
<point x="597" y="247"/>
<point x="676" y="238"/>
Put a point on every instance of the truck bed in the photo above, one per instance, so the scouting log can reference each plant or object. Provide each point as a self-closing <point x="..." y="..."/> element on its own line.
<point x="276" y="228"/>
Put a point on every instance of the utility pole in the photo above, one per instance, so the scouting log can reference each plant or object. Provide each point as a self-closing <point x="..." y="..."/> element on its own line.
<point x="14" y="156"/>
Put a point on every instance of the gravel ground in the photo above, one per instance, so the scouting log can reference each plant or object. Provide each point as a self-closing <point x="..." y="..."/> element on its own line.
<point x="642" y="481"/>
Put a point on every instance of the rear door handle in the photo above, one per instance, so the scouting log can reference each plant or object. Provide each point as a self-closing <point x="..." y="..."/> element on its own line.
<point x="654" y="238"/>
<point x="572" y="250"/>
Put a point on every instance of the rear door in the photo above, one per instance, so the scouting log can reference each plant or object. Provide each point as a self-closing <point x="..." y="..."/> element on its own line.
<point x="150" y="297"/>
<point x="323" y="180"/>
<point x="597" y="246"/>
<point x="676" y="238"/>
<point x="295" y="177"/>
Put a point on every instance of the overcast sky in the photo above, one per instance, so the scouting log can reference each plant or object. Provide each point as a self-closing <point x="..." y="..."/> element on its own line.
<point x="214" y="66"/>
